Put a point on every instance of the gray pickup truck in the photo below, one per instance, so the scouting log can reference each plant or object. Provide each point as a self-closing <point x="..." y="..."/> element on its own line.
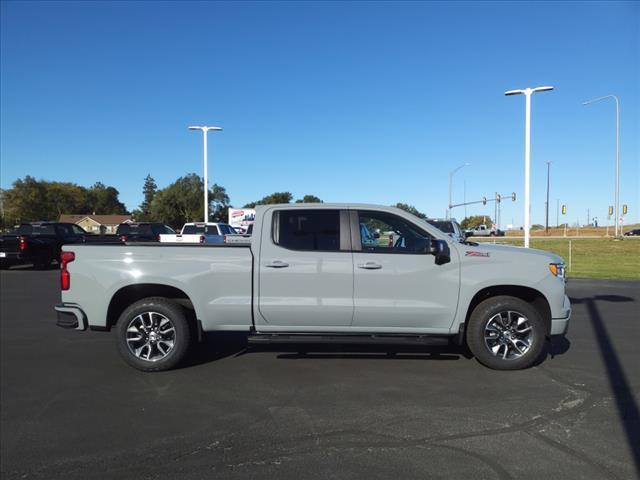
<point x="307" y="273"/>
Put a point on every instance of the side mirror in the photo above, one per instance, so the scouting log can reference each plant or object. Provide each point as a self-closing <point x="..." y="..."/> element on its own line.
<point x="376" y="235"/>
<point x="468" y="234"/>
<point x="440" y="250"/>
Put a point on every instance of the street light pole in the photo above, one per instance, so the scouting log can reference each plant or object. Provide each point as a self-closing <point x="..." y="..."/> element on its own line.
<point x="617" y="187"/>
<point x="527" y="92"/>
<point x="546" y="223"/>
<point x="451" y="174"/>
<point x="205" y="129"/>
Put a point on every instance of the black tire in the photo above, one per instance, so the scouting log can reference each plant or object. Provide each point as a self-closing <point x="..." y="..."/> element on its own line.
<point x="146" y="312"/>
<point x="484" y="334"/>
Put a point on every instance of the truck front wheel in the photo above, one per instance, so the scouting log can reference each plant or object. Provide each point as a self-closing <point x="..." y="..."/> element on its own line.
<point x="506" y="333"/>
<point x="153" y="334"/>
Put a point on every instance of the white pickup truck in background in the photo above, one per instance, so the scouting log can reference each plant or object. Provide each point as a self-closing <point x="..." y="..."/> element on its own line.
<point x="200" y="233"/>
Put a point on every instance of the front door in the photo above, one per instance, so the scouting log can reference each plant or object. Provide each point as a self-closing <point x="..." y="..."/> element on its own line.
<point x="306" y="271"/>
<point x="397" y="284"/>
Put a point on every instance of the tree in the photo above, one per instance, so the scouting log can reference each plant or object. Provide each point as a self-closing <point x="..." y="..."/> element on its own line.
<point x="181" y="202"/>
<point x="65" y="198"/>
<point x="25" y="201"/>
<point x="410" y="209"/>
<point x="277" y="197"/>
<point x="474" y="221"/>
<point x="31" y="200"/>
<point x="148" y="190"/>
<point x="104" y="200"/>
<point x="309" y="199"/>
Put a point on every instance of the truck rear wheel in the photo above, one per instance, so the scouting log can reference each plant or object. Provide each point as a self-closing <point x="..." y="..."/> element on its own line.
<point x="506" y="333"/>
<point x="153" y="334"/>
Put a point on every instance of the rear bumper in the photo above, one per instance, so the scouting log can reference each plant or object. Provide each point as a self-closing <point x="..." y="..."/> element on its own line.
<point x="560" y="326"/>
<point x="70" y="316"/>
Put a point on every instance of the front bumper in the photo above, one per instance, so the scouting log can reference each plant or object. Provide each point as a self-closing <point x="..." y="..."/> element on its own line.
<point x="560" y="326"/>
<point x="71" y="315"/>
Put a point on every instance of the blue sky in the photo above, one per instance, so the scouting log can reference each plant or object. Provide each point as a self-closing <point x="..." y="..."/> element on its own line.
<point x="355" y="102"/>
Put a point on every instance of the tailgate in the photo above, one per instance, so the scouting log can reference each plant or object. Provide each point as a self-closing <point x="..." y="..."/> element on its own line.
<point x="9" y="244"/>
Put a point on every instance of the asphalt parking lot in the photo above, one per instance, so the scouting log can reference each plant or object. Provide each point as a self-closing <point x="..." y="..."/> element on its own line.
<point x="70" y="408"/>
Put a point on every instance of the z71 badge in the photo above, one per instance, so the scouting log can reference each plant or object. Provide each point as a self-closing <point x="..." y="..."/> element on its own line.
<point x="472" y="253"/>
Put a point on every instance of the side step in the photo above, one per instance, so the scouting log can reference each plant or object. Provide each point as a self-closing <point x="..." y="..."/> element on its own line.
<point x="348" y="339"/>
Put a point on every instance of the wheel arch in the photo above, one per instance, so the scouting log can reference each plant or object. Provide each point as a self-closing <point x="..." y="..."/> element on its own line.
<point x="130" y="294"/>
<point x="528" y="294"/>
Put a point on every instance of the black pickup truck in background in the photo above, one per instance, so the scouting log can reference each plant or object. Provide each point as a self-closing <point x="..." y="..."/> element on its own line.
<point x="39" y="243"/>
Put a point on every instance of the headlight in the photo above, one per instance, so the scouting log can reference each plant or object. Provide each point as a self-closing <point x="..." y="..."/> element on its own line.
<point x="557" y="269"/>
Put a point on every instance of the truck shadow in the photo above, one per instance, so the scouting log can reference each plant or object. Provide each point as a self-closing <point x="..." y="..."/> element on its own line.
<point x="628" y="412"/>
<point x="218" y="346"/>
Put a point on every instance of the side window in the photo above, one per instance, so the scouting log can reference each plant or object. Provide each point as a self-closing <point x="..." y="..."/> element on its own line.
<point x="307" y="230"/>
<point x="382" y="232"/>
<point x="77" y="230"/>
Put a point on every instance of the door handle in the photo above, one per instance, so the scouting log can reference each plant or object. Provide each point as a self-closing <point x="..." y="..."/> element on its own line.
<point x="277" y="264"/>
<point x="370" y="266"/>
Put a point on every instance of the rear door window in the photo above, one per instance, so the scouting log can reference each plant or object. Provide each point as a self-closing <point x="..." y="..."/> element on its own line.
<point x="308" y="230"/>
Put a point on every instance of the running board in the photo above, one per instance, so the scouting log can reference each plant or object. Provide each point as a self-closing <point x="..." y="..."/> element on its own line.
<point x="348" y="339"/>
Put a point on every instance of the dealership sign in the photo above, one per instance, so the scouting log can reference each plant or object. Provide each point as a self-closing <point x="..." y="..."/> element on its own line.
<point x="241" y="217"/>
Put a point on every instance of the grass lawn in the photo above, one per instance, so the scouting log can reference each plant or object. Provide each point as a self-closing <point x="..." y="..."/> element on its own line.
<point x="591" y="257"/>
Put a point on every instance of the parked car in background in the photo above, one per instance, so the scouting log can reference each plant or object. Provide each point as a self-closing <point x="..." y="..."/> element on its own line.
<point x="142" y="231"/>
<point x="39" y="243"/>
<point x="484" y="231"/>
<point x="449" y="226"/>
<point x="632" y="233"/>
<point x="199" y="232"/>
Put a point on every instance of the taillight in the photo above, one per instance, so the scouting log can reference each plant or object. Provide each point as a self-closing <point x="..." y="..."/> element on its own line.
<point x="201" y="238"/>
<point x="65" y="276"/>
<point x="158" y="237"/>
<point x="23" y="243"/>
<point x="224" y="239"/>
<point x="123" y="238"/>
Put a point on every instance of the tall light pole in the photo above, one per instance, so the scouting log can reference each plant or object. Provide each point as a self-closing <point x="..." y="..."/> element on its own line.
<point x="205" y="130"/>
<point x="617" y="187"/>
<point x="451" y="174"/>
<point x="527" y="92"/>
<point x="546" y="222"/>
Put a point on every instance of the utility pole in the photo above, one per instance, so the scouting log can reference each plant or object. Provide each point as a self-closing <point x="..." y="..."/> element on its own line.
<point x="557" y="212"/>
<point x="465" y="198"/>
<point x="588" y="217"/>
<point x="546" y="223"/>
<point x="451" y="174"/>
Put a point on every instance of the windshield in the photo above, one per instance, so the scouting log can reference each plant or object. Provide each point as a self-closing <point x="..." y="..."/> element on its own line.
<point x="442" y="225"/>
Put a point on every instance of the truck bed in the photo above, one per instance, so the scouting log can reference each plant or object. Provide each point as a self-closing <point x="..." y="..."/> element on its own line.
<point x="217" y="278"/>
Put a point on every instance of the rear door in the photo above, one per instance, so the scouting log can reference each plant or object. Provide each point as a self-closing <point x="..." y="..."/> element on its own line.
<point x="397" y="285"/>
<point x="305" y="271"/>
